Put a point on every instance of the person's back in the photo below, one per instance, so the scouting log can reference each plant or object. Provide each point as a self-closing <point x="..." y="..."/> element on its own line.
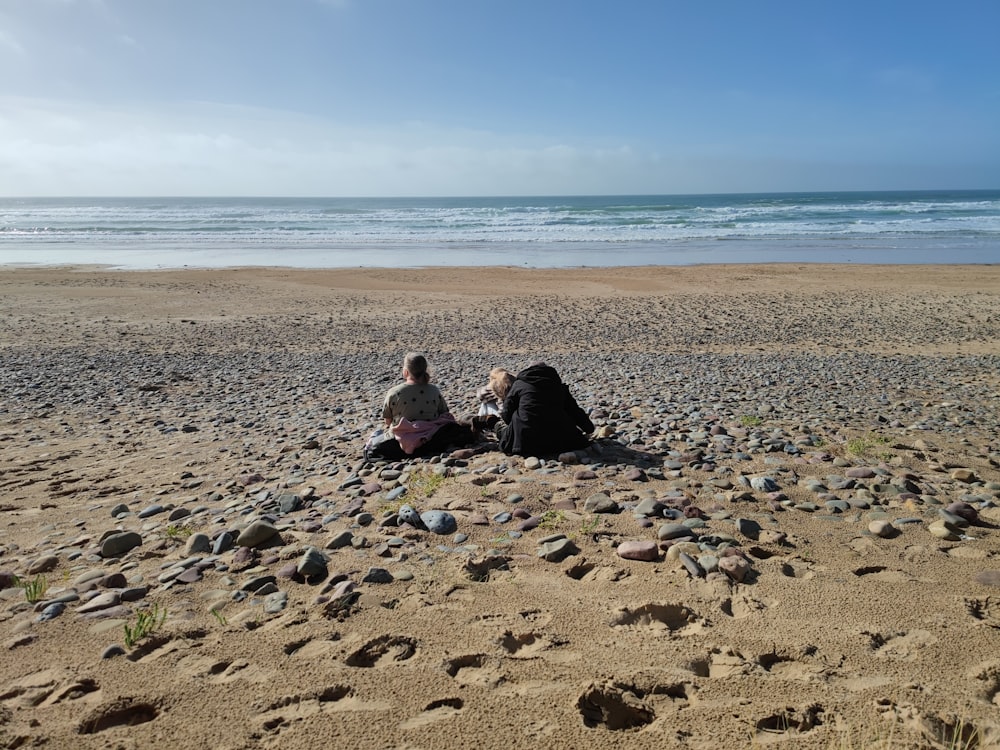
<point x="413" y="401"/>
<point x="541" y="415"/>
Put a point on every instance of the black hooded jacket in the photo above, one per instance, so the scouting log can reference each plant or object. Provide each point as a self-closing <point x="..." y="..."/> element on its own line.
<point x="541" y="415"/>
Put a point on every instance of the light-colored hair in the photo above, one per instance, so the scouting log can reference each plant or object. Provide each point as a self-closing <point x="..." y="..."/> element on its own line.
<point x="416" y="365"/>
<point x="500" y="382"/>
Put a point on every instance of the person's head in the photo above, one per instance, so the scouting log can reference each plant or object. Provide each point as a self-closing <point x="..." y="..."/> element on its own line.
<point x="415" y="368"/>
<point x="500" y="382"/>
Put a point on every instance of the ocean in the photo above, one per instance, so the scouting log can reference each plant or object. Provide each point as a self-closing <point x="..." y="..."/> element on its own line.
<point x="543" y="232"/>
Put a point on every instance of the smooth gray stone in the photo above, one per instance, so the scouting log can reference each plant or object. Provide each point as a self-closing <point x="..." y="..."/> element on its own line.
<point x="119" y="510"/>
<point x="223" y="543"/>
<point x="52" y="611"/>
<point x="377" y="575"/>
<point x="691" y="565"/>
<point x="101" y="601"/>
<point x="748" y="528"/>
<point x="198" y="543"/>
<point x="289" y="503"/>
<point x="256" y="534"/>
<point x="312" y="564"/>
<point x="764" y="484"/>
<point x="673" y="531"/>
<point x="439" y="521"/>
<point x="178" y="513"/>
<point x="599" y="502"/>
<point x="119" y="544"/>
<point x="112" y="651"/>
<point x="340" y="540"/>
<point x="558" y="550"/>
<point x="395" y="493"/>
<point x="152" y="510"/>
<point x="267" y="589"/>
<point x="258" y="582"/>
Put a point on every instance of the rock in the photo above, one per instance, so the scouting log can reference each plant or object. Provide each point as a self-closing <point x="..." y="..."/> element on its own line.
<point x="198" y="544"/>
<point x="882" y="528"/>
<point x="312" y="564"/>
<point x="119" y="509"/>
<point x="119" y="544"/>
<point x="692" y="566"/>
<point x="764" y="484"/>
<point x="531" y="463"/>
<point x="151" y="510"/>
<point x="256" y="534"/>
<point x="377" y="575"/>
<point x="112" y="651"/>
<point x="223" y="543"/>
<point x="44" y="564"/>
<point x="674" y="531"/>
<point x="645" y="551"/>
<point x="599" y="502"/>
<point x="748" y="528"/>
<point x="735" y="567"/>
<point x="439" y="522"/>
<point x="944" y="530"/>
<point x="558" y="548"/>
<point x="101" y="601"/>
<point x="967" y="476"/>
<point x="340" y="540"/>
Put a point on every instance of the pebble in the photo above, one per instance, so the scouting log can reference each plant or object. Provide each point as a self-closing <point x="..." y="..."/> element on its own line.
<point x="256" y="534"/>
<point x="646" y="551"/>
<point x="119" y="544"/>
<point x="439" y="522"/>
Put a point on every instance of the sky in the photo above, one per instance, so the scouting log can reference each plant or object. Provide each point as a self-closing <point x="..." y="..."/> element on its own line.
<point x="501" y="97"/>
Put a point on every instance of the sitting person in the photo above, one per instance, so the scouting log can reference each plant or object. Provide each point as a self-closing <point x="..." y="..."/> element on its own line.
<point x="541" y="416"/>
<point x="417" y="420"/>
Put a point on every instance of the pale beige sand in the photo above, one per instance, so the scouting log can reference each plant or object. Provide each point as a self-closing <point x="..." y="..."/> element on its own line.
<point x="842" y="638"/>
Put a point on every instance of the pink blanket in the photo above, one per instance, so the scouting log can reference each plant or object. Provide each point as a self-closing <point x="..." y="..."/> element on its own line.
<point x="411" y="435"/>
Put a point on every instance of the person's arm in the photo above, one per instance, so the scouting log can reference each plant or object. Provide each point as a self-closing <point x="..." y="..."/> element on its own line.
<point x="387" y="411"/>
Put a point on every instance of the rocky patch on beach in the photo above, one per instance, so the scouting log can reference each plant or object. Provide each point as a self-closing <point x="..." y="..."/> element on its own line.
<point x="786" y="544"/>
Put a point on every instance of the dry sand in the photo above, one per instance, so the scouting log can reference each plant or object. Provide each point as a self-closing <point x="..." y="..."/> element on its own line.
<point x="219" y="392"/>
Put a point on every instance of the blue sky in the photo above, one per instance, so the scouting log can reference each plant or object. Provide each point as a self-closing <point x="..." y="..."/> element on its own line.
<point x="471" y="97"/>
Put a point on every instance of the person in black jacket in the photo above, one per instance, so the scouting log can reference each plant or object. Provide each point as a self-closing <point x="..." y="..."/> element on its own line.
<point x="540" y="415"/>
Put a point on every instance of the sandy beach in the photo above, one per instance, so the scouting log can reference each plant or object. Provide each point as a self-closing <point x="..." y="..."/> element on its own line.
<point x="786" y="530"/>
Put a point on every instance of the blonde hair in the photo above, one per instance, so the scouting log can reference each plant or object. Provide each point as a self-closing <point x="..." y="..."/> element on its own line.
<point x="416" y="365"/>
<point x="500" y="382"/>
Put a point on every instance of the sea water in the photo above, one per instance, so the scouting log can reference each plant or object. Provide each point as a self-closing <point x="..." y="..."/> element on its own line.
<point x="546" y="232"/>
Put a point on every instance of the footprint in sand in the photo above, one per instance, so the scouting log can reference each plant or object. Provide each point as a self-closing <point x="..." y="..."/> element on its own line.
<point x="624" y="705"/>
<point x="948" y="732"/>
<point x="987" y="677"/>
<point x="220" y="671"/>
<point x="382" y="651"/>
<point x="673" y="618"/>
<point x="292" y="708"/>
<point x="528" y="645"/>
<point x="435" y="711"/>
<point x="475" y="669"/>
<point x="789" y="722"/>
<point x="121" y="712"/>
<point x="903" y="645"/>
<point x="742" y="605"/>
<point x="48" y="688"/>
